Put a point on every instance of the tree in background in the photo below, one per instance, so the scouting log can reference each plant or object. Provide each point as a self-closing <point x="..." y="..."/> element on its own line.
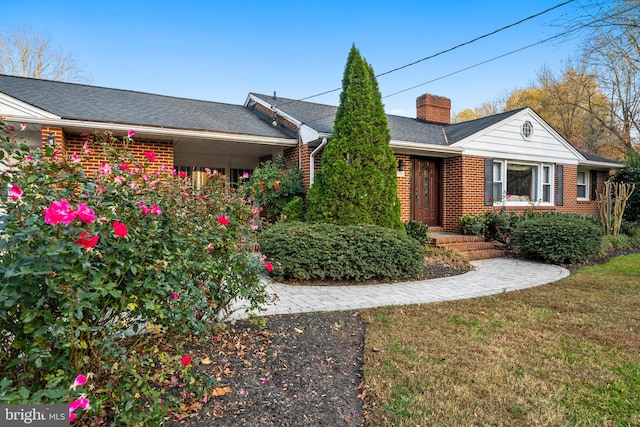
<point x="28" y="54"/>
<point x="612" y="53"/>
<point x="357" y="183"/>
<point x="486" y="109"/>
<point x="567" y="101"/>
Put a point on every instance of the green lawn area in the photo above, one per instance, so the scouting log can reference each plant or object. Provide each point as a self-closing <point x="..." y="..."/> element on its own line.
<point x="567" y="353"/>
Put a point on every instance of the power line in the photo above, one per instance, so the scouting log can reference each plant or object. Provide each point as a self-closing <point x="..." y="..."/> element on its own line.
<point x="442" y="52"/>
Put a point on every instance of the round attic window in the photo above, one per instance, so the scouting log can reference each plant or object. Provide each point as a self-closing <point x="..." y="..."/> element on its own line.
<point x="527" y="129"/>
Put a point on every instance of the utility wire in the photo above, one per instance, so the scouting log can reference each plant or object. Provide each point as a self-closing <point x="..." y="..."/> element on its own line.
<point x="443" y="51"/>
<point x="564" y="33"/>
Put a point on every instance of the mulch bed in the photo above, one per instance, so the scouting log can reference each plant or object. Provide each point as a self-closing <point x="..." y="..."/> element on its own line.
<point x="299" y="370"/>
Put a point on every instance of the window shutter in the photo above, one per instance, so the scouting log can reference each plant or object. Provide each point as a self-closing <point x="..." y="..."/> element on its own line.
<point x="560" y="182"/>
<point x="593" y="184"/>
<point x="488" y="182"/>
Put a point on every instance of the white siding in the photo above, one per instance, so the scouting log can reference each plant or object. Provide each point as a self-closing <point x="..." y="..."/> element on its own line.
<point x="504" y="141"/>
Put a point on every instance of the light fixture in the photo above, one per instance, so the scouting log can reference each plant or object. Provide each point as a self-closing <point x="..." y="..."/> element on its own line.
<point x="400" y="165"/>
<point x="51" y="139"/>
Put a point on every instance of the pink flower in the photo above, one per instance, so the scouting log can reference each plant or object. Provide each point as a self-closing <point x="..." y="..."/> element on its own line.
<point x="85" y="214"/>
<point x="145" y="211"/>
<point x="29" y="159"/>
<point x="121" y="179"/>
<point x="155" y="209"/>
<point x="151" y="156"/>
<point x="268" y="266"/>
<point x="124" y="166"/>
<point x="175" y="295"/>
<point x="185" y="360"/>
<point x="81" y="403"/>
<point x="75" y="158"/>
<point x="88" y="242"/>
<point x="182" y="174"/>
<point x="141" y="204"/>
<point x="86" y="148"/>
<point x="105" y="169"/>
<point x="245" y="175"/>
<point x="207" y="170"/>
<point x="15" y="193"/>
<point x="120" y="229"/>
<point x="210" y="247"/>
<point x="23" y="127"/>
<point x="223" y="220"/>
<point x="59" y="211"/>
<point x="264" y="381"/>
<point x="79" y="381"/>
<point x="131" y="133"/>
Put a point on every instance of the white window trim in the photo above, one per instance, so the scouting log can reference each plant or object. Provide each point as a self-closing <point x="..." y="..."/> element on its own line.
<point x="530" y="126"/>
<point x="504" y="201"/>
<point x="587" y="185"/>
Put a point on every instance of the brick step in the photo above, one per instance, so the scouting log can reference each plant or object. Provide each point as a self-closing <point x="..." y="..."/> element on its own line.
<point x="472" y="247"/>
<point x="483" y="254"/>
<point x="440" y="239"/>
<point x="469" y="246"/>
<point x="433" y="229"/>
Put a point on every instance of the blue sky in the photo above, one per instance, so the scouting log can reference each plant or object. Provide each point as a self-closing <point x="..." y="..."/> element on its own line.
<point x="222" y="50"/>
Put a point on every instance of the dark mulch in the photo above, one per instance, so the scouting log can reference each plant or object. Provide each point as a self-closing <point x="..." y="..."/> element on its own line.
<point x="299" y="370"/>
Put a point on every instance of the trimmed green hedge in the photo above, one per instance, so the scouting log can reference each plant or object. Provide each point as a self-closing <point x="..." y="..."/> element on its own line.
<point x="320" y="251"/>
<point x="558" y="239"/>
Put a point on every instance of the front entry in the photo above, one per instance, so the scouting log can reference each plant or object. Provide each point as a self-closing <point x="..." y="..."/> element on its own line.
<point x="425" y="191"/>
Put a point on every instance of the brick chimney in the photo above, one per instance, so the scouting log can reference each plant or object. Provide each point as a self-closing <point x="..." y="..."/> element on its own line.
<point x="434" y="109"/>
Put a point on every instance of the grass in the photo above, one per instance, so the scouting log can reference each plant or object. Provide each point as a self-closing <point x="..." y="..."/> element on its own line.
<point x="560" y="354"/>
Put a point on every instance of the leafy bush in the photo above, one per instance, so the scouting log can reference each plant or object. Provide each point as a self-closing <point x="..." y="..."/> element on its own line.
<point x="558" y="239"/>
<point x="273" y="185"/>
<point x="499" y="226"/>
<point x="294" y="210"/>
<point x="418" y="231"/>
<point x="472" y="225"/>
<point x="631" y="175"/>
<point x="331" y="252"/>
<point x="88" y="259"/>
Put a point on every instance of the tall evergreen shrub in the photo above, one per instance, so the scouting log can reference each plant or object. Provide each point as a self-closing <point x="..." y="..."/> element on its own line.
<point x="357" y="183"/>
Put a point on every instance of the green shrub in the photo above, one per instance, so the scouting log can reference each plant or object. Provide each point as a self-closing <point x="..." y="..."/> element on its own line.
<point x="273" y="185"/>
<point x="500" y="227"/>
<point x="472" y="225"/>
<point x="558" y="239"/>
<point x="418" y="231"/>
<point x="331" y="252"/>
<point x="294" y="210"/>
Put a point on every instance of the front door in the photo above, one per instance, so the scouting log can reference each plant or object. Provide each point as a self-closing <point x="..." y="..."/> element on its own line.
<point x="425" y="190"/>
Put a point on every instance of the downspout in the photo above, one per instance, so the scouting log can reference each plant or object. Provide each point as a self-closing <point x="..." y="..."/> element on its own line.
<point x="312" y="162"/>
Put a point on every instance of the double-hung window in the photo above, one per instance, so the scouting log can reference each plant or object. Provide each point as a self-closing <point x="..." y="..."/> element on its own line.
<point x="522" y="183"/>
<point x="583" y="185"/>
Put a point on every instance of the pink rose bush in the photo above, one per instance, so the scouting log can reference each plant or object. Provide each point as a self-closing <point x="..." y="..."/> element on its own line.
<point x="89" y="258"/>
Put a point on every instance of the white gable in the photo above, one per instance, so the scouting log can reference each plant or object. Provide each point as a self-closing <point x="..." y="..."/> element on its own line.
<point x="14" y="109"/>
<point x="504" y="140"/>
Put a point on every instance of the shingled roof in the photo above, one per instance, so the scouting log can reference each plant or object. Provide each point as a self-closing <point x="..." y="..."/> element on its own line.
<point x="321" y="117"/>
<point x="92" y="103"/>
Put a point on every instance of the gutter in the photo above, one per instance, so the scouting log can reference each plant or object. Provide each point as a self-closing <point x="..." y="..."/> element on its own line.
<point x="312" y="160"/>
<point x="151" y="130"/>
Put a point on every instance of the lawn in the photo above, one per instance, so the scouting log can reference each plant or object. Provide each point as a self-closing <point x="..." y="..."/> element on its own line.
<point x="566" y="353"/>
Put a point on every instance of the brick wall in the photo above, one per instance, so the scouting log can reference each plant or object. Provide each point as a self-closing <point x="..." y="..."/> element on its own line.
<point x="463" y="192"/>
<point x="74" y="143"/>
<point x="404" y="188"/>
<point x="60" y="138"/>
